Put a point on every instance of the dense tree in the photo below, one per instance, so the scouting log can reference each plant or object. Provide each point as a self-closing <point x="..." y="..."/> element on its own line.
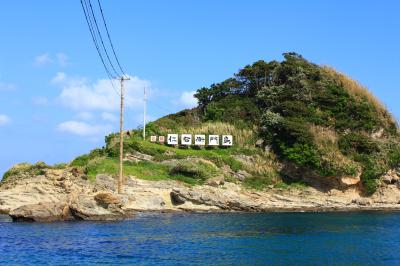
<point x="286" y="99"/>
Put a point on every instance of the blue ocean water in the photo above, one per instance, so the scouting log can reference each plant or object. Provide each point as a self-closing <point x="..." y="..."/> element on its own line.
<point x="208" y="239"/>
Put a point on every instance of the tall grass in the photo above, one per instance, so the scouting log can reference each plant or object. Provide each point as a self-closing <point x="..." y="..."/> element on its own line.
<point x="354" y="87"/>
<point x="326" y="140"/>
<point x="242" y="137"/>
<point x="359" y="91"/>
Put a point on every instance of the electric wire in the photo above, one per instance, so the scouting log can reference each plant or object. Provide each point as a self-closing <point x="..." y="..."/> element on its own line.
<point x="109" y="38"/>
<point x="101" y="39"/>
<point x="88" y="21"/>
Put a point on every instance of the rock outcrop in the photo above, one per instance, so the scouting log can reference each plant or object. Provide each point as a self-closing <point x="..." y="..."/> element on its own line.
<point x="61" y="195"/>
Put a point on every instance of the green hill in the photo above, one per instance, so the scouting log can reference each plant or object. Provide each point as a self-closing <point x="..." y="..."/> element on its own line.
<point x="312" y="125"/>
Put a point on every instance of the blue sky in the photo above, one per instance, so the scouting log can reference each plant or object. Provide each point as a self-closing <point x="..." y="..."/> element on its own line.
<point x="55" y="101"/>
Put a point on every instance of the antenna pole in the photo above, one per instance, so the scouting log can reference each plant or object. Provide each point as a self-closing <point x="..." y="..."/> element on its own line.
<point x="144" y="113"/>
<point x="121" y="136"/>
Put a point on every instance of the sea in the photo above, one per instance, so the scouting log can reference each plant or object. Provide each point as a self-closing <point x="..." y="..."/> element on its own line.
<point x="341" y="238"/>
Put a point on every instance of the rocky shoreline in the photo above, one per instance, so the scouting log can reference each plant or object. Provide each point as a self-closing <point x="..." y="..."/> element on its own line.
<point x="62" y="195"/>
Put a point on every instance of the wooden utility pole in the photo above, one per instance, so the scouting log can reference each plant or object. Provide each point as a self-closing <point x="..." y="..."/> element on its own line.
<point x="144" y="112"/>
<point x="121" y="136"/>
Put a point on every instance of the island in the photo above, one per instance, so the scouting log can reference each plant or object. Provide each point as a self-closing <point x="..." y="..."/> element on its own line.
<point x="305" y="138"/>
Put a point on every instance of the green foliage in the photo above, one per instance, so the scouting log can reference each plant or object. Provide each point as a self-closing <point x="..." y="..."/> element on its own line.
<point x="184" y="171"/>
<point x="26" y="169"/>
<point x="213" y="112"/>
<point x="302" y="155"/>
<point x="286" y="103"/>
<point x="59" y="166"/>
<point x="260" y="181"/>
<point x="353" y="143"/>
<point x="80" y="161"/>
<point x="394" y="156"/>
<point x="199" y="170"/>
<point x="372" y="170"/>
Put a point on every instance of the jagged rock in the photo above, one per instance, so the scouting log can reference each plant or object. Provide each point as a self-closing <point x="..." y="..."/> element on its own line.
<point x="176" y="198"/>
<point x="75" y="172"/>
<point x="349" y="180"/>
<point x="378" y="134"/>
<point x="241" y="175"/>
<point x="169" y="153"/>
<point x="62" y="196"/>
<point x="57" y="174"/>
<point x="216" y="181"/>
<point x="391" y="177"/>
<point x="106" y="199"/>
<point x="147" y="200"/>
<point x="86" y="208"/>
<point x="259" y="143"/>
<point x="362" y="201"/>
<point x="105" y="183"/>
<point x="42" y="212"/>
<point x="137" y="157"/>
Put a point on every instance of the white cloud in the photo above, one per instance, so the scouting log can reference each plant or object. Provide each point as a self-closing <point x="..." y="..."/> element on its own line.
<point x="46" y="59"/>
<point x="109" y="117"/>
<point x="43" y="59"/>
<point x="62" y="59"/>
<point x="85" y="116"/>
<point x="59" y="78"/>
<point x="188" y="100"/>
<point x="83" y="129"/>
<point x="79" y="95"/>
<point x="40" y="100"/>
<point x="4" y="120"/>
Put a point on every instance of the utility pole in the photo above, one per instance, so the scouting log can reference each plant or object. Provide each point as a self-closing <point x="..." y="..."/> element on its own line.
<point x="144" y="112"/>
<point x="121" y="136"/>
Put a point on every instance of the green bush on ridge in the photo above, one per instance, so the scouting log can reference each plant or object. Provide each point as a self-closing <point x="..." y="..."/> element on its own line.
<point x="282" y="103"/>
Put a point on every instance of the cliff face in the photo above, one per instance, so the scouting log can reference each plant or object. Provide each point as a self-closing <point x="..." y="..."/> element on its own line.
<point x="305" y="137"/>
<point x="65" y="194"/>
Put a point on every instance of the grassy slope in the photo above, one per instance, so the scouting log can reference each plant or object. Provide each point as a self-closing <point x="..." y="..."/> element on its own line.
<point x="315" y="121"/>
<point x="168" y="162"/>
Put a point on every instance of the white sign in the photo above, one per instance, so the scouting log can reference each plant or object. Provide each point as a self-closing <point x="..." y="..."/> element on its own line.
<point x="213" y="140"/>
<point x="186" y="139"/>
<point x="172" y="139"/>
<point x="153" y="138"/>
<point x="200" y="140"/>
<point x="161" y="139"/>
<point x="227" y="140"/>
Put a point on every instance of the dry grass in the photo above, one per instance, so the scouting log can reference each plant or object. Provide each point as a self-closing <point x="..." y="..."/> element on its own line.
<point x="241" y="137"/>
<point x="327" y="141"/>
<point x="268" y="163"/>
<point x="358" y="91"/>
<point x="354" y="87"/>
<point x="324" y="137"/>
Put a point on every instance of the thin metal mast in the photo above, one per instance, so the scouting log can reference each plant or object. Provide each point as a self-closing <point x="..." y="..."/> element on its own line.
<point x="144" y="112"/>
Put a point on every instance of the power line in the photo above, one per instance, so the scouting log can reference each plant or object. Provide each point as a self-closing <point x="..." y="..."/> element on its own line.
<point x="101" y="38"/>
<point x="92" y="33"/>
<point x="88" y="21"/>
<point x="109" y="38"/>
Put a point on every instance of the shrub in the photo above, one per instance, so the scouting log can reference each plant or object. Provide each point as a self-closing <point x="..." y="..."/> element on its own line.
<point x="260" y="181"/>
<point x="26" y="169"/>
<point x="213" y="112"/>
<point x="394" y="156"/>
<point x="80" y="161"/>
<point x="302" y="155"/>
<point x="356" y="143"/>
<point x="200" y="170"/>
<point x="372" y="170"/>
